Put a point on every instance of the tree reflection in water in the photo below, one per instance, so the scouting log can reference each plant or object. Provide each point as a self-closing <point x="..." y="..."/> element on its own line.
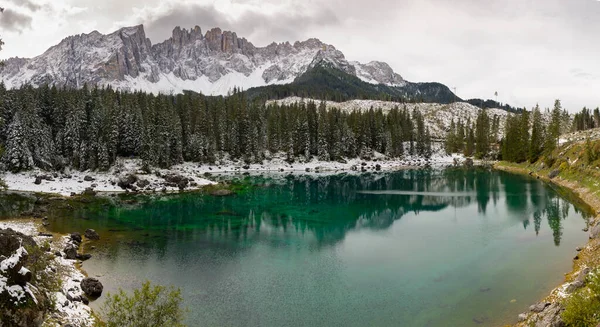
<point x="327" y="206"/>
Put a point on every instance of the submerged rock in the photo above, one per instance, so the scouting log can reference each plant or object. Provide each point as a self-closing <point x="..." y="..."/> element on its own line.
<point x="84" y="257"/>
<point x="522" y="317"/>
<point x="92" y="287"/>
<point x="222" y="192"/>
<point x="91" y="234"/>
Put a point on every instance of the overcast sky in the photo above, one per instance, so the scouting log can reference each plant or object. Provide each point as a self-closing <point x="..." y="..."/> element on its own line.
<point x="529" y="51"/>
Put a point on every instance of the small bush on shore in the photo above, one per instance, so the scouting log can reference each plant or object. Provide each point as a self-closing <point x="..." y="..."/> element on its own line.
<point x="582" y="309"/>
<point x="148" y="306"/>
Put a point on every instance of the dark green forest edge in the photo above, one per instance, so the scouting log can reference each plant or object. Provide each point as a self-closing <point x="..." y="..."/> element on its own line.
<point x="52" y="128"/>
<point x="575" y="165"/>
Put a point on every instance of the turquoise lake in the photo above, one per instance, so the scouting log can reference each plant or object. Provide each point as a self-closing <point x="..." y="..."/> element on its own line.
<point x="409" y="248"/>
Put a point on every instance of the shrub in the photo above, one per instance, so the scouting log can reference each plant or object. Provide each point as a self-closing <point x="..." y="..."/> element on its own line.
<point x="582" y="309"/>
<point x="591" y="153"/>
<point x="38" y="263"/>
<point x="549" y="161"/>
<point x="563" y="166"/>
<point x="148" y="306"/>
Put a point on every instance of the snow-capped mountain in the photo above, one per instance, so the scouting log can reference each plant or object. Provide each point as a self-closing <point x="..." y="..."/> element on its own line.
<point x="211" y="63"/>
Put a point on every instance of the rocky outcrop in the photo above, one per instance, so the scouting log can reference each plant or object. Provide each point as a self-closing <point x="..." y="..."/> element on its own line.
<point x="127" y="182"/>
<point x="76" y="237"/>
<point x="11" y="240"/>
<point x="174" y="180"/>
<point x="19" y="302"/>
<point x="595" y="231"/>
<point x="70" y="252"/>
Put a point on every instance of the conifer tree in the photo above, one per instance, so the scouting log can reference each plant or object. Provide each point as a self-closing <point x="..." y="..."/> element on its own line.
<point x="460" y="137"/>
<point x="450" y="141"/>
<point x="551" y="140"/>
<point x="537" y="135"/>
<point x="17" y="155"/>
<point x="482" y="137"/>
<point x="590" y="152"/>
<point x="522" y="149"/>
<point x="428" y="145"/>
<point x="470" y="142"/>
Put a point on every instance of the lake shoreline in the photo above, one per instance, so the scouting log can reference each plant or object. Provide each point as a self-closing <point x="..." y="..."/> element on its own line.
<point x="550" y="307"/>
<point x="71" y="307"/>
<point x="130" y="175"/>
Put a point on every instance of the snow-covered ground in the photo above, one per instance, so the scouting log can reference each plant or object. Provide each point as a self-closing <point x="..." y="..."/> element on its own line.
<point x="70" y="312"/>
<point x="580" y="136"/>
<point x="75" y="181"/>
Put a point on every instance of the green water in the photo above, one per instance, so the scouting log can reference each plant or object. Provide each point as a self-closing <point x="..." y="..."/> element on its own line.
<point x="409" y="248"/>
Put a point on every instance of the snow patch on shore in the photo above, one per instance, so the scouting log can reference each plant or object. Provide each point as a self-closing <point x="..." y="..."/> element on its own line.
<point x="74" y="312"/>
<point x="74" y="182"/>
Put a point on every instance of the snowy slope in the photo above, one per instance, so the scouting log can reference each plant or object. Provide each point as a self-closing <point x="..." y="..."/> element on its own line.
<point x="438" y="117"/>
<point x="212" y="63"/>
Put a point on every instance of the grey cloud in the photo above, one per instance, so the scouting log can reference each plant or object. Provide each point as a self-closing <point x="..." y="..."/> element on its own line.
<point x="256" y="26"/>
<point x="579" y="73"/>
<point x="14" y="21"/>
<point x="27" y="4"/>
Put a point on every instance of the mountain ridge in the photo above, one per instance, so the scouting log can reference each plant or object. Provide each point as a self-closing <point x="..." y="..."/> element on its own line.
<point x="212" y="63"/>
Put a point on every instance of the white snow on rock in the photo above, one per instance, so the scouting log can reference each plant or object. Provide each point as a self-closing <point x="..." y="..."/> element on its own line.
<point x="438" y="117"/>
<point x="69" y="312"/>
<point x="580" y="136"/>
<point x="17" y="293"/>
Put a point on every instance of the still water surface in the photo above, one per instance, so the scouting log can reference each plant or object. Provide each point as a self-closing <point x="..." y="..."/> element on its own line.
<point x="409" y="248"/>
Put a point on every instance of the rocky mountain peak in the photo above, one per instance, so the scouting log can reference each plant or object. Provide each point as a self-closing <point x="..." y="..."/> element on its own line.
<point x="132" y="30"/>
<point x="181" y="37"/>
<point x="211" y="63"/>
